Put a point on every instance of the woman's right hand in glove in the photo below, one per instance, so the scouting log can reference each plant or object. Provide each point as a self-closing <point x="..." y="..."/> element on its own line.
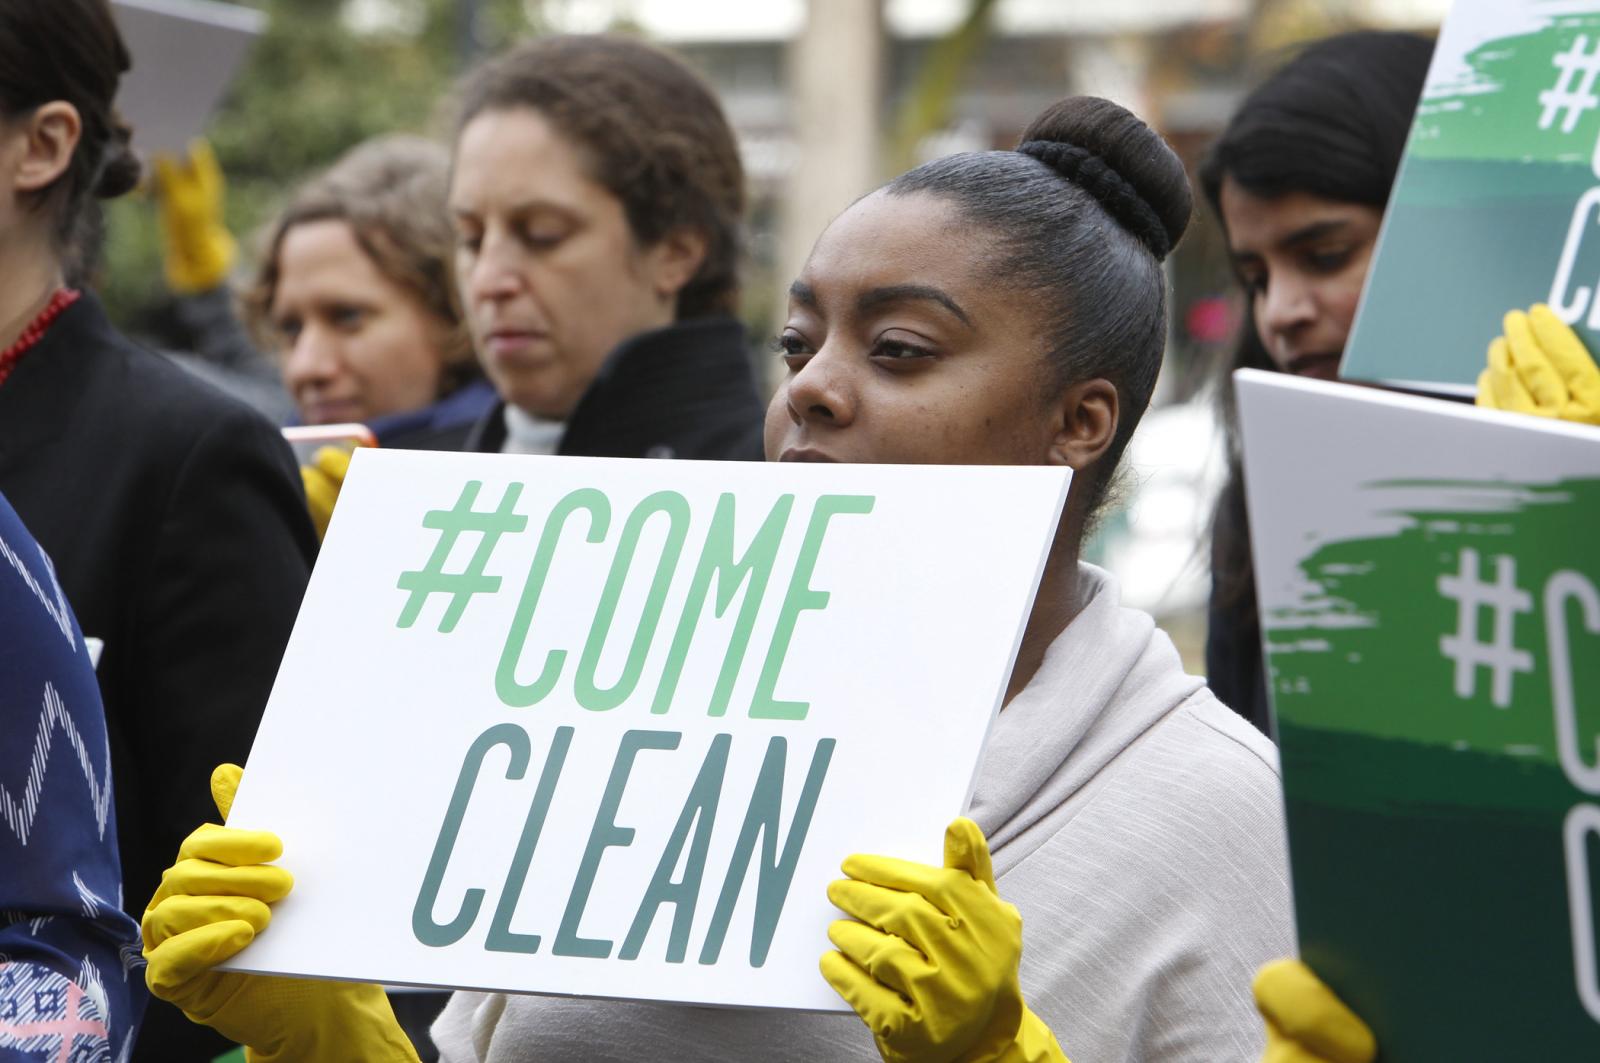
<point x="212" y="903"/>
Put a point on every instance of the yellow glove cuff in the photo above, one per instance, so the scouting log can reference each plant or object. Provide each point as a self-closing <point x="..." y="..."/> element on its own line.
<point x="1034" y="1043"/>
<point x="354" y="1024"/>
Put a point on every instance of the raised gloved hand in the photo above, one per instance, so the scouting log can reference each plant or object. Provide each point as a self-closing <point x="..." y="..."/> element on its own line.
<point x="1540" y="366"/>
<point x="212" y="903"/>
<point x="1306" y="1023"/>
<point x="322" y="479"/>
<point x="931" y="967"/>
<point x="197" y="248"/>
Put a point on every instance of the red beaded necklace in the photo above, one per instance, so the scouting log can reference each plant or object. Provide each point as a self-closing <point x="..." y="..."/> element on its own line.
<point x="63" y="298"/>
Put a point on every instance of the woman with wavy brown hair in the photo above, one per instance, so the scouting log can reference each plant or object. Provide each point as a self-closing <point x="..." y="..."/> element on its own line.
<point x="598" y="199"/>
<point x="353" y="295"/>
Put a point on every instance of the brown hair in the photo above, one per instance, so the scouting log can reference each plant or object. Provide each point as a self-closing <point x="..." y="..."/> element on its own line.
<point x="71" y="50"/>
<point x="391" y="192"/>
<point x="654" y="134"/>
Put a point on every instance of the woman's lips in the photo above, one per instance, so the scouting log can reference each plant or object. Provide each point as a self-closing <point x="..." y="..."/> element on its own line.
<point x="804" y="454"/>
<point x="512" y="344"/>
<point x="333" y="411"/>
<point x="1321" y="366"/>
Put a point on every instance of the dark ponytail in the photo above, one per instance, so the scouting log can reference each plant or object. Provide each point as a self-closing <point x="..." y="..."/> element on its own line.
<point x="71" y="50"/>
<point x="1081" y="215"/>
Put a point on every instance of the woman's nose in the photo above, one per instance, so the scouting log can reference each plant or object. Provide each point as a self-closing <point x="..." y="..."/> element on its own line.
<point x="823" y="392"/>
<point x="493" y="273"/>
<point x="1287" y="305"/>
<point x="311" y="359"/>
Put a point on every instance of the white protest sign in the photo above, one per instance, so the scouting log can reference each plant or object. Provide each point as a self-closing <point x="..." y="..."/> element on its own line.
<point x="185" y="54"/>
<point x="608" y="727"/>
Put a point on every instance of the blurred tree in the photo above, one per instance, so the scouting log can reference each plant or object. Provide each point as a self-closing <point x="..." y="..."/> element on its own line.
<point x="323" y="77"/>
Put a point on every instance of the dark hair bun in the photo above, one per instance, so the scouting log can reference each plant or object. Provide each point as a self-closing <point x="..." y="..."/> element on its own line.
<point x="1110" y="153"/>
<point x="120" y="169"/>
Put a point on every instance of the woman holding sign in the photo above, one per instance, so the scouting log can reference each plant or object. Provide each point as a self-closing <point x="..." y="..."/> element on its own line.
<point x="1300" y="179"/>
<point x="1123" y="872"/>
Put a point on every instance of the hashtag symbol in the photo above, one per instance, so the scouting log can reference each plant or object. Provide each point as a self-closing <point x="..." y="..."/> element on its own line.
<point x="1501" y="655"/>
<point x="450" y="523"/>
<point x="1562" y="99"/>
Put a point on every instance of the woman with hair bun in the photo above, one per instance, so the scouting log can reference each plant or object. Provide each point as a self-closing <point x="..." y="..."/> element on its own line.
<point x="174" y="515"/>
<point x="1123" y="873"/>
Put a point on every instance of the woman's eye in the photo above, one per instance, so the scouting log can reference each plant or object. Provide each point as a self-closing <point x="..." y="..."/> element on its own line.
<point x="899" y="351"/>
<point x="788" y="345"/>
<point x="543" y="239"/>
<point x="1253" y="283"/>
<point x="347" y="318"/>
<point x="1329" y="261"/>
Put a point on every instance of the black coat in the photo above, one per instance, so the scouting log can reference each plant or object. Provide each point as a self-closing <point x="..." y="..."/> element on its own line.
<point x="178" y="528"/>
<point x="684" y="391"/>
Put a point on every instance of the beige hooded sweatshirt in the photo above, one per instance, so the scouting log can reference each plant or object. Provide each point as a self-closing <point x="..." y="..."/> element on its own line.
<point x="1136" y="823"/>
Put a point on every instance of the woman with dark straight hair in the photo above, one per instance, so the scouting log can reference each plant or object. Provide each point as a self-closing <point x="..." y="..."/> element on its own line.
<point x="1123" y="870"/>
<point x="174" y="515"/>
<point x="1300" y="180"/>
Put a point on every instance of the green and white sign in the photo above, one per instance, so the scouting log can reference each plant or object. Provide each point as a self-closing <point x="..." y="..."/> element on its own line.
<point x="608" y="727"/>
<point x="1429" y="583"/>
<point x="1497" y="205"/>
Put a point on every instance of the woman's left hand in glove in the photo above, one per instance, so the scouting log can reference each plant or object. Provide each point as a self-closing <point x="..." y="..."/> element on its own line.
<point x="930" y="959"/>
<point x="1540" y="366"/>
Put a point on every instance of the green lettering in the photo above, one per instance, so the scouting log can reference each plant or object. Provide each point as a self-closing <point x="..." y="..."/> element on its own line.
<point x="801" y="597"/>
<point x="700" y="813"/>
<point x="521" y="695"/>
<point x="716" y="562"/>
<point x="589" y="694"/>
<point x="774" y="872"/>
<point x="501" y="937"/>
<point x="603" y="835"/>
<point x="423" y="925"/>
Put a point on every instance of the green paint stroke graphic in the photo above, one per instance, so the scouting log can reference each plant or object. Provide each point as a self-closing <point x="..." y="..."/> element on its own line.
<point x="1494" y="110"/>
<point x="1362" y="651"/>
<point x="1425" y="807"/>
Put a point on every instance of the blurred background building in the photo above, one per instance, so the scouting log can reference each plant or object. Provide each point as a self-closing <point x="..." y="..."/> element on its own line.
<point x="829" y="98"/>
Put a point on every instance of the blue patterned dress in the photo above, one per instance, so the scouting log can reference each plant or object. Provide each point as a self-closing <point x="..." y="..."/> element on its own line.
<point x="71" y="976"/>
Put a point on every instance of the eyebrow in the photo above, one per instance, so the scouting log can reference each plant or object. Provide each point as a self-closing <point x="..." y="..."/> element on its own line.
<point x="1314" y="231"/>
<point x="1309" y="234"/>
<point x="803" y="294"/>
<point x="517" y="209"/>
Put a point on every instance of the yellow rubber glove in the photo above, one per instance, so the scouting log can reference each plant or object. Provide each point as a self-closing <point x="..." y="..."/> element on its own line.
<point x="322" y="479"/>
<point x="212" y="903"/>
<point x="931" y="967"/>
<point x="1306" y="1023"/>
<point x="197" y="247"/>
<point x="1540" y="366"/>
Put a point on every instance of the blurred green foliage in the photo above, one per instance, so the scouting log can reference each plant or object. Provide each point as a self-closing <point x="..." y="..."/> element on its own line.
<point x="325" y="75"/>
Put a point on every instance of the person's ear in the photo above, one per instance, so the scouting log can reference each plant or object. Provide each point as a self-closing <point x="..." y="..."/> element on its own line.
<point x="1086" y="423"/>
<point x="50" y="136"/>
<point x="675" y="259"/>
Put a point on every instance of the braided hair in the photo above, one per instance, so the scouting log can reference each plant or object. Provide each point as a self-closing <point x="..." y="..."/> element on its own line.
<point x="1081" y="216"/>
